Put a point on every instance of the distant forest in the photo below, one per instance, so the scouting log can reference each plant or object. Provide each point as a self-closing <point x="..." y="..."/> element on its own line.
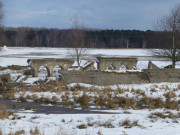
<point x="43" y="37"/>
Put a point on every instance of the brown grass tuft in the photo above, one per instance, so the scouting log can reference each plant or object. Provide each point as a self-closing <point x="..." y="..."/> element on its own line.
<point x="4" y="114"/>
<point x="84" y="100"/>
<point x="35" y="131"/>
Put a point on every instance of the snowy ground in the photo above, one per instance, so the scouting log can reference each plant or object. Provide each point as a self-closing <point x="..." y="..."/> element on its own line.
<point x="107" y="124"/>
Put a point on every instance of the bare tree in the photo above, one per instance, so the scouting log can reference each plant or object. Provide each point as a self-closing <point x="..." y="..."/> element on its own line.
<point x="168" y="31"/>
<point x="77" y="40"/>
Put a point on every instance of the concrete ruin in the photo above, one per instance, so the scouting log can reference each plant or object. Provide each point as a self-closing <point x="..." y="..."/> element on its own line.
<point x="103" y="78"/>
<point x="115" y="63"/>
<point x="152" y="66"/>
<point x="50" y="64"/>
<point x="64" y="64"/>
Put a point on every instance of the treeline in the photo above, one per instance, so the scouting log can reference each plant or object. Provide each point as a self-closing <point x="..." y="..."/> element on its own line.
<point x="43" y="37"/>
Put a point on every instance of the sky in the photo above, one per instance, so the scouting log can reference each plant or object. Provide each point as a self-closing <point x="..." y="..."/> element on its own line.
<point x="95" y="14"/>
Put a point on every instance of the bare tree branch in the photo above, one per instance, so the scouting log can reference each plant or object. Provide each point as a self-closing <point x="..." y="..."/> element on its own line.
<point x="77" y="39"/>
<point x="169" y="28"/>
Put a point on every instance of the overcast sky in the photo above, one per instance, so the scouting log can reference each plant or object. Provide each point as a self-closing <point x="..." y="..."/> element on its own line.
<point x="100" y="14"/>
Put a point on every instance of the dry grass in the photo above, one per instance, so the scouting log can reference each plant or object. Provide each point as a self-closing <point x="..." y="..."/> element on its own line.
<point x="9" y="94"/>
<point x="170" y="95"/>
<point x="164" y="115"/>
<point x="129" y="124"/>
<point x="99" y="101"/>
<point x="20" y="132"/>
<point x="153" y="90"/>
<point x="107" y="97"/>
<point x="83" y="101"/>
<point x="99" y="133"/>
<point x="55" y="99"/>
<point x="66" y="101"/>
<point x="28" y="97"/>
<point x="35" y="131"/>
<point x="22" y="99"/>
<point x="107" y="124"/>
<point x="82" y="126"/>
<point x="4" y="113"/>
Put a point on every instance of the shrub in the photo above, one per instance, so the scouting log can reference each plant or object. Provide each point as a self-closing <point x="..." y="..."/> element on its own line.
<point x="129" y="124"/>
<point x="28" y="97"/>
<point x="55" y="99"/>
<point x="9" y="94"/>
<point x="126" y="123"/>
<point x="106" y="124"/>
<point x="66" y="101"/>
<point x="153" y="90"/>
<point x="47" y="101"/>
<point x="163" y="116"/>
<point x="84" y="100"/>
<point x="99" y="101"/>
<point x="20" y="132"/>
<point x="4" y="114"/>
<point x="35" y="131"/>
<point x="99" y="133"/>
<point x="112" y="104"/>
<point x="125" y="102"/>
<point x="22" y="99"/>
<point x="82" y="126"/>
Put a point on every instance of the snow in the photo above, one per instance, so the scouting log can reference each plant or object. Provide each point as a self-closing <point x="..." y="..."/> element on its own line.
<point x="161" y="64"/>
<point x="4" y="61"/>
<point x="4" y="49"/>
<point x="31" y="80"/>
<point x="20" y="79"/>
<point x="142" y="65"/>
<point x="95" y="65"/>
<point x="52" y="123"/>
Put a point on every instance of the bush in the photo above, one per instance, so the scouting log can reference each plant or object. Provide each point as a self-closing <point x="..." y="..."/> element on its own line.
<point x="4" y="114"/>
<point x="84" y="100"/>
<point x="107" y="124"/>
<point x="82" y="126"/>
<point x="35" y="131"/>
<point x="129" y="124"/>
<point x="66" y="101"/>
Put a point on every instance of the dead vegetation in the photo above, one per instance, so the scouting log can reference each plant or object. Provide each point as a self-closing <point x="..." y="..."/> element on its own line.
<point x="164" y="115"/>
<point x="129" y="124"/>
<point x="4" y="113"/>
<point x="35" y="131"/>
<point x="106" y="98"/>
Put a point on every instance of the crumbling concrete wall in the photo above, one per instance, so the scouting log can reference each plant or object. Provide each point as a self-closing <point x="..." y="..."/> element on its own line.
<point x="103" y="78"/>
<point x="116" y="63"/>
<point x="50" y="64"/>
<point x="152" y="66"/>
<point x="110" y="78"/>
<point x="163" y="75"/>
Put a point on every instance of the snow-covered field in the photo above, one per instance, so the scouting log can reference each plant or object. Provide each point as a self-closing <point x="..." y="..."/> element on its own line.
<point x="117" y="122"/>
<point x="107" y="124"/>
